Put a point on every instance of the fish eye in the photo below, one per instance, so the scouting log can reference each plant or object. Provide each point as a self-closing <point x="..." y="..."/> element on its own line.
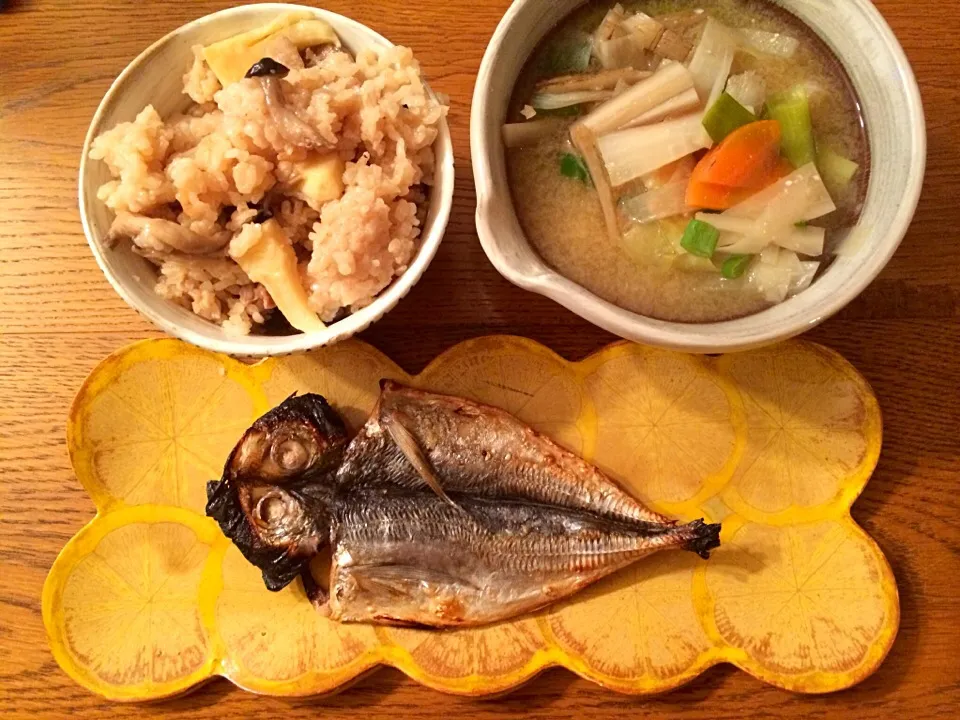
<point x="290" y="454"/>
<point x="273" y="508"/>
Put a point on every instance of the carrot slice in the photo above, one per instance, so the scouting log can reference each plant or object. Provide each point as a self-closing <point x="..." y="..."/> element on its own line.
<point x="708" y="196"/>
<point x="744" y="159"/>
<point x="780" y="169"/>
<point x="716" y="196"/>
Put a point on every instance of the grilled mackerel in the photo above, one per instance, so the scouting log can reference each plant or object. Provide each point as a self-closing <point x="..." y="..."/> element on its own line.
<point x="441" y="512"/>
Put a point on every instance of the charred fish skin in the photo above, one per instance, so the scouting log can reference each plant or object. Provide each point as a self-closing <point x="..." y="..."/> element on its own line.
<point x="481" y="450"/>
<point x="301" y="438"/>
<point x="410" y="558"/>
<point x="280" y="550"/>
<point x="274" y="499"/>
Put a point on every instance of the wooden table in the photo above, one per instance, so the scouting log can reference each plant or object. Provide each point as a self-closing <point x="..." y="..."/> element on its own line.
<point x="59" y="317"/>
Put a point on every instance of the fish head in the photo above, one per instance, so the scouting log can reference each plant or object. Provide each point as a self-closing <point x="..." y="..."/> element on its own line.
<point x="274" y="499"/>
<point x="301" y="437"/>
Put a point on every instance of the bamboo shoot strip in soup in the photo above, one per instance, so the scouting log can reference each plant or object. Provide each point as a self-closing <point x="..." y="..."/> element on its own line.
<point x="690" y="162"/>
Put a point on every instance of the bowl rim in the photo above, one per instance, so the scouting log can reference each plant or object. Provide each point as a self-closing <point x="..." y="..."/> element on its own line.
<point x="355" y="323"/>
<point x="718" y="337"/>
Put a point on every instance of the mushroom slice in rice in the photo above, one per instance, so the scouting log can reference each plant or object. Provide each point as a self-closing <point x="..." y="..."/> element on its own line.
<point x="293" y="128"/>
<point x="158" y="234"/>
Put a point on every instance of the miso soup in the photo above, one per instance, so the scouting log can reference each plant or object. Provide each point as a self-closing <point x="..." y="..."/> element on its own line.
<point x="688" y="161"/>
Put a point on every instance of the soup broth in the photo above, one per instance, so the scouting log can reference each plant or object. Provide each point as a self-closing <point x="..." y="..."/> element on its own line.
<point x="644" y="269"/>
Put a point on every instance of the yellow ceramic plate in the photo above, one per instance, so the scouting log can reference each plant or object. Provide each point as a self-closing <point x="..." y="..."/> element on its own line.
<point x="149" y="600"/>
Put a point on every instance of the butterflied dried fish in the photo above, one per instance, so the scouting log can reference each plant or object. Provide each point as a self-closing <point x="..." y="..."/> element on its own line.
<point x="441" y="512"/>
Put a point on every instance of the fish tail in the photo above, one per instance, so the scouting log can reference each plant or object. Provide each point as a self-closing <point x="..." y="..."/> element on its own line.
<point x="704" y="537"/>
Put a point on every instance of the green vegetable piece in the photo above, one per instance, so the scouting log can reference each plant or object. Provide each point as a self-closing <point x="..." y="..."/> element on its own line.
<point x="572" y="166"/>
<point x="725" y="116"/>
<point x="567" y="55"/>
<point x="700" y="239"/>
<point x="735" y="266"/>
<point x="836" y="170"/>
<point x="792" y="110"/>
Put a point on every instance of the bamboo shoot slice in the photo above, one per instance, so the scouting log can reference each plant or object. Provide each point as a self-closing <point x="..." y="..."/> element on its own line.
<point x="265" y="255"/>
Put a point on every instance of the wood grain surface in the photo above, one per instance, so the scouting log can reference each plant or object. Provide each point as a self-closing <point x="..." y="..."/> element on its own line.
<point x="59" y="317"/>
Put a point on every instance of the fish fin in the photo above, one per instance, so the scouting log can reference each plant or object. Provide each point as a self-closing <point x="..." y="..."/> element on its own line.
<point x="411" y="450"/>
<point x="706" y="537"/>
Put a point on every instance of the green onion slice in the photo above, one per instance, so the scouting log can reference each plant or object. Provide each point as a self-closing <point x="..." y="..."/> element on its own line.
<point x="792" y="110"/>
<point x="735" y="266"/>
<point x="725" y="116"/>
<point x="700" y="239"/>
